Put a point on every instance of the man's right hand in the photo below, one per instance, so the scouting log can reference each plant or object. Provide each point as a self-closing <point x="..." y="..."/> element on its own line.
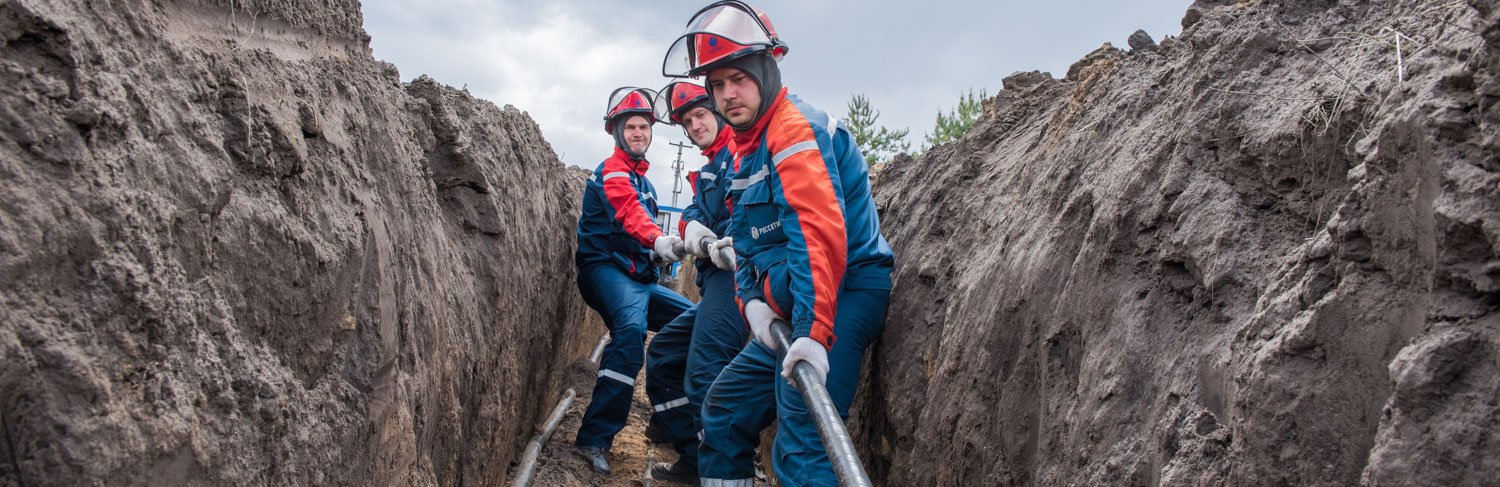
<point x="663" y="248"/>
<point x="759" y="315"/>
<point x="693" y="236"/>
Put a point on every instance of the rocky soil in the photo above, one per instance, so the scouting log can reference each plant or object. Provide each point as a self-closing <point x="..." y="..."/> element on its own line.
<point x="236" y="250"/>
<point x="1261" y="253"/>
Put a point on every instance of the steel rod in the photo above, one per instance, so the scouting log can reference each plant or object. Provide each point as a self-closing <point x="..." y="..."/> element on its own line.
<point x="846" y="464"/>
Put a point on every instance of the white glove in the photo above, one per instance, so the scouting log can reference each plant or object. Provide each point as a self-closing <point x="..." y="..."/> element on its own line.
<point x="726" y="261"/>
<point x="806" y="350"/>
<point x="663" y="247"/>
<point x="693" y="237"/>
<point x="759" y="315"/>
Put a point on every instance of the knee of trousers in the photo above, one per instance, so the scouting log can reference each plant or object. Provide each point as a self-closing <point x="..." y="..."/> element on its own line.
<point x="657" y="353"/>
<point x="742" y="396"/>
<point x="670" y="345"/>
<point x="624" y="353"/>
<point x="626" y="333"/>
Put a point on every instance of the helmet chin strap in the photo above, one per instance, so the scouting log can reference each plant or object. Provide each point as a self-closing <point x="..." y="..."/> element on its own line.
<point x="619" y="134"/>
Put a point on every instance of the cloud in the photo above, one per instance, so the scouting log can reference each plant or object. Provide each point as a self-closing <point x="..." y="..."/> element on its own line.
<point x="559" y="60"/>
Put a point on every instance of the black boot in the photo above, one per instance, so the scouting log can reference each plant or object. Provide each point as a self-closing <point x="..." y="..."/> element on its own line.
<point x="676" y="472"/>
<point x="656" y="434"/>
<point x="598" y="458"/>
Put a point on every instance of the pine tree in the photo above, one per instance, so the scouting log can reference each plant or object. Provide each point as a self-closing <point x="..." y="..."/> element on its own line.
<point x="876" y="143"/>
<point x="952" y="126"/>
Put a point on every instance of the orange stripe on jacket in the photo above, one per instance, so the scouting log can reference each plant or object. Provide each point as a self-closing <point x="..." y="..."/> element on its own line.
<point x="765" y="290"/>
<point x="809" y="190"/>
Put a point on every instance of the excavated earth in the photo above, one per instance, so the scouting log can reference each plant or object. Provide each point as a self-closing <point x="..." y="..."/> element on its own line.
<point x="236" y="250"/>
<point x="1261" y="253"/>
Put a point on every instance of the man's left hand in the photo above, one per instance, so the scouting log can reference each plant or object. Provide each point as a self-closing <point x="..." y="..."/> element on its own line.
<point x="806" y="350"/>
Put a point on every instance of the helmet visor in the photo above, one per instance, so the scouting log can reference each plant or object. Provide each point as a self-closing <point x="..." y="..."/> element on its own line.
<point x="662" y="106"/>
<point x="674" y="97"/>
<point x="627" y="100"/>
<point x="731" y="22"/>
<point x="714" y="34"/>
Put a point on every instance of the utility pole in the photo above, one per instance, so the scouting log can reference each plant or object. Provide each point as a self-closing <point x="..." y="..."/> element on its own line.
<point x="677" y="173"/>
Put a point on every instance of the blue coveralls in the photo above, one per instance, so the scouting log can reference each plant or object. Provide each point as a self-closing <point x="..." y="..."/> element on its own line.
<point x="809" y="244"/>
<point x="616" y="279"/>
<point x="710" y="334"/>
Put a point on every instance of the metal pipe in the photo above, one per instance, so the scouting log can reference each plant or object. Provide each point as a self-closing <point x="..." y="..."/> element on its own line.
<point x="527" y="467"/>
<point x="558" y="412"/>
<point x="599" y="349"/>
<point x="846" y="464"/>
<point x="705" y="242"/>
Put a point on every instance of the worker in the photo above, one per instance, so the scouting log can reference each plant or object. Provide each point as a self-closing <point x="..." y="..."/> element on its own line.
<point x="616" y="276"/>
<point x="713" y="332"/>
<point x="808" y="249"/>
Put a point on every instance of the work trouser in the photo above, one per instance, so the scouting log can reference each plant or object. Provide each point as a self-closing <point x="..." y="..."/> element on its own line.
<point x="750" y="393"/>
<point x="716" y="332"/>
<point x="666" y="361"/>
<point x="629" y="308"/>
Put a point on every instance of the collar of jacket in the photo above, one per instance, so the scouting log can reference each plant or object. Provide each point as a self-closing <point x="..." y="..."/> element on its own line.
<point x="747" y="141"/>
<point x="726" y="134"/>
<point x="638" y="165"/>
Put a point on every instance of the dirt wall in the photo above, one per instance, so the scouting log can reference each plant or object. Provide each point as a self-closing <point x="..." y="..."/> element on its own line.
<point x="235" y="249"/>
<point x="1260" y="253"/>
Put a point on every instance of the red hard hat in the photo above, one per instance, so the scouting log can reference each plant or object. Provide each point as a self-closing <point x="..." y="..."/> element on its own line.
<point x="626" y="101"/>
<point x="673" y="101"/>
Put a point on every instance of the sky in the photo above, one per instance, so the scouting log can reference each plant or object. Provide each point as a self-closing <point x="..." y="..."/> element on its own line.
<point x="558" y="60"/>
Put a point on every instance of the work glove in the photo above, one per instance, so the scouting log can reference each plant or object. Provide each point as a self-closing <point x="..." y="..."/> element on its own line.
<point x="693" y="237"/>
<point x="759" y="315"/>
<point x="663" y="247"/>
<point x="726" y="260"/>
<point x="806" y="350"/>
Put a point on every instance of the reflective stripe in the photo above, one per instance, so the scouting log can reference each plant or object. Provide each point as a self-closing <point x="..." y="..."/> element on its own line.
<point x="682" y="401"/>
<point x="707" y="175"/>
<point x="740" y="184"/>
<point x="629" y="381"/>
<point x="613" y="175"/>
<point x="728" y="483"/>
<point x="805" y="145"/>
<point x="833" y="125"/>
<point x="700" y="435"/>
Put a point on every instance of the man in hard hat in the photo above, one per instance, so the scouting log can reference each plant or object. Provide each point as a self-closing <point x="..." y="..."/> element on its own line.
<point x="809" y="247"/>
<point x="616" y="240"/>
<point x="693" y="348"/>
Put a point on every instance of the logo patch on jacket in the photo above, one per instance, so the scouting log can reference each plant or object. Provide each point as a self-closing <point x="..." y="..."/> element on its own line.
<point x="756" y="232"/>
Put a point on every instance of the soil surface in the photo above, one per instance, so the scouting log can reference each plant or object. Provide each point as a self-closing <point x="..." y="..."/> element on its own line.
<point x="1261" y="253"/>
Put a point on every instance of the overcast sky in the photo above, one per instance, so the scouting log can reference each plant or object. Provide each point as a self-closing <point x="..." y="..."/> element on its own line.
<point x="558" y="60"/>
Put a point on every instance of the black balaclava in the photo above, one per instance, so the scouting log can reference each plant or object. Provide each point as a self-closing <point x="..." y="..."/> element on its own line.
<point x="762" y="68"/>
<point x="706" y="102"/>
<point x="619" y="133"/>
